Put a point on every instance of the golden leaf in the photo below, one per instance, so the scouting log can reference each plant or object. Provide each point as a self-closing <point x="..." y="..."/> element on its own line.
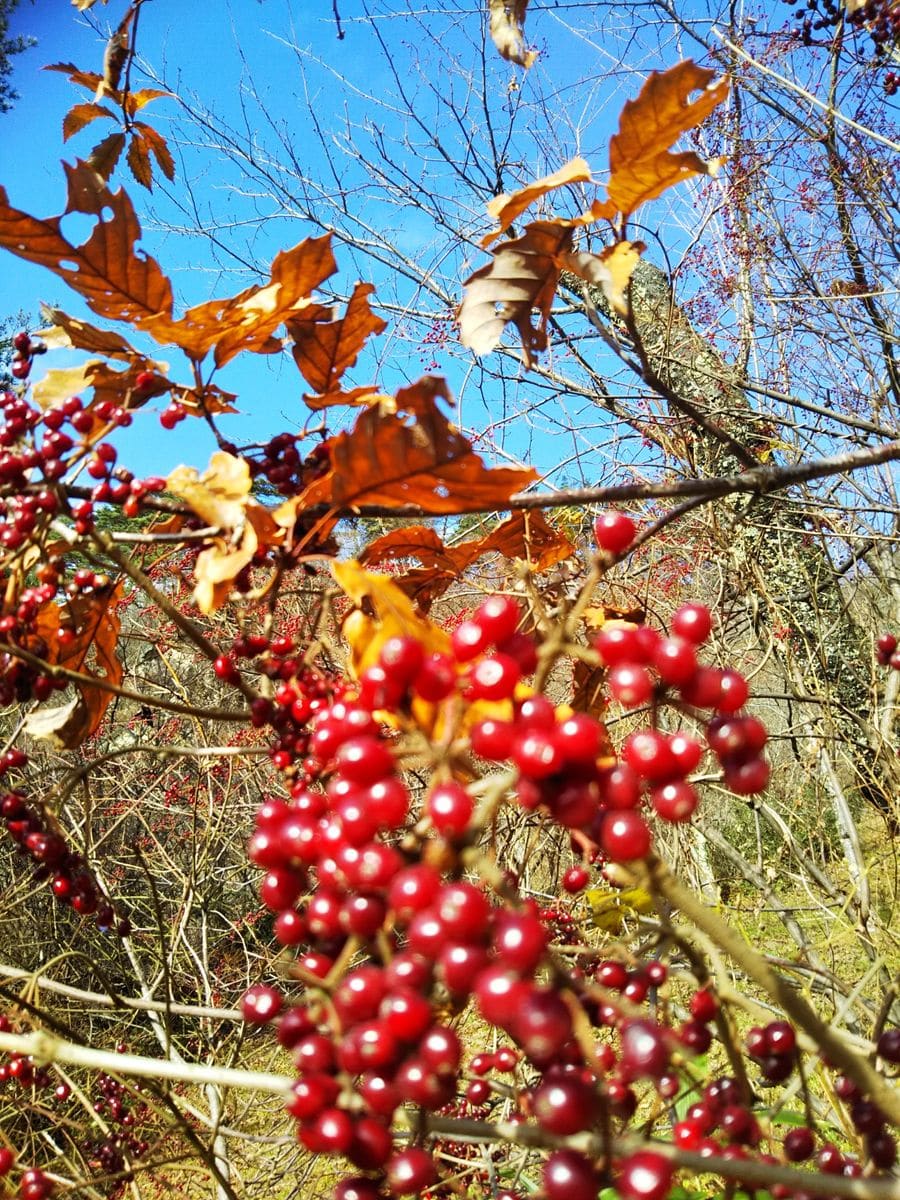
<point x="156" y="143"/>
<point x="610" y="909"/>
<point x="60" y="383"/>
<point x="508" y="207"/>
<point x="641" y="164"/>
<point x="80" y="335"/>
<point x="221" y="497"/>
<point x="610" y="270"/>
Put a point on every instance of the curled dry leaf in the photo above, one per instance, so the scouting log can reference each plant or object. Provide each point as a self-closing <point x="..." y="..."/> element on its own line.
<point x="221" y="497"/>
<point x="527" y="536"/>
<point x="610" y="270"/>
<point x="248" y="320"/>
<point x="413" y="456"/>
<point x="325" y="348"/>
<point x="521" y="279"/>
<point x="92" y="653"/>
<point x="510" y="205"/>
<point x="507" y="25"/>
<point x="641" y="164"/>
<point x="67" y="331"/>
<point x="80" y="115"/>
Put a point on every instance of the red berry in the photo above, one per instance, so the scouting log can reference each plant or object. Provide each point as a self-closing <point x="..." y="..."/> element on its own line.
<point x="568" y="1175"/>
<point x="450" y="808"/>
<point x="576" y="878"/>
<point x="693" y="623"/>
<point x="644" y="1176"/>
<point x="625" y="836"/>
<point x="410" y="1172"/>
<point x="260" y="1004"/>
<point x="614" y="531"/>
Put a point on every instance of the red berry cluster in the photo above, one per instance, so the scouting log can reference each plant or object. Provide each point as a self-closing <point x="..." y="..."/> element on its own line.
<point x="70" y="878"/>
<point x="282" y="464"/>
<point x="886" y="652"/>
<point x="24" y="350"/>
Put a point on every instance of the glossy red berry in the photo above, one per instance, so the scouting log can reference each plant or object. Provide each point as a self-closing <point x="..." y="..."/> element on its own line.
<point x="644" y="1176"/>
<point x="614" y="531"/>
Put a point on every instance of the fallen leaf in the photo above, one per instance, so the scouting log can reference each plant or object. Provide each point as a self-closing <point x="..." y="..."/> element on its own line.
<point x="521" y="279"/>
<point x="610" y="270"/>
<point x="412" y="457"/>
<point x="324" y="349"/>
<point x="507" y="26"/>
<point x="641" y="164"/>
<point x="508" y="207"/>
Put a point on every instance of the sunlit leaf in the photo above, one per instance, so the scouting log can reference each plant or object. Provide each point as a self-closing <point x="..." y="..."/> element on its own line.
<point x="86" y="79"/>
<point x="91" y="652"/>
<point x="610" y="270"/>
<point x="138" y="159"/>
<point x="325" y="349"/>
<point x="81" y="115"/>
<point x="248" y="320"/>
<point x="105" y="155"/>
<point x="507" y="25"/>
<point x="157" y="145"/>
<point x="508" y="207"/>
<point x="59" y="383"/>
<point x="611" y="909"/>
<point x="221" y="497"/>
<point x="641" y="164"/>
<point x="412" y="457"/>
<point x="115" y="280"/>
<point x="521" y="279"/>
<point x="81" y="335"/>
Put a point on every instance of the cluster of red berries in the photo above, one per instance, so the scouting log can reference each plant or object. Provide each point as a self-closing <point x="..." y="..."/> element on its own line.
<point x="373" y="1038"/>
<point x="112" y="1154"/>
<point x="886" y="652"/>
<point x="25" y="348"/>
<point x="69" y="876"/>
<point x="109" y="1155"/>
<point x="282" y="464"/>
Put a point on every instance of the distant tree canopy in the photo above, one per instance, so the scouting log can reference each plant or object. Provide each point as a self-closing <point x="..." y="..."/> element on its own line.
<point x="9" y="46"/>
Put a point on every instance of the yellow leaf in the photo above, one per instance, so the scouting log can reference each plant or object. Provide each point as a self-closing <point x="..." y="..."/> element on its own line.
<point x="509" y="206"/>
<point x="62" y="382"/>
<point x="611" y="271"/>
<point x="611" y="909"/>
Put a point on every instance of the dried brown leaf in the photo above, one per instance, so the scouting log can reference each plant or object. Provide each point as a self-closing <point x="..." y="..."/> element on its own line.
<point x="412" y="457"/>
<point x="81" y="115"/>
<point x="508" y="207"/>
<point x="80" y="335"/>
<point x="157" y="145"/>
<point x="641" y="164"/>
<point x="106" y="270"/>
<point x="521" y="279"/>
<point x="507" y="25"/>
<point x="86" y="79"/>
<point x="324" y="349"/>
<point x="138" y="159"/>
<point x="106" y="154"/>
<point x="248" y="321"/>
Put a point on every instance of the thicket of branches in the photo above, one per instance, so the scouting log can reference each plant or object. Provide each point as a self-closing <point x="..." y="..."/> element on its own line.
<point x="372" y="771"/>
